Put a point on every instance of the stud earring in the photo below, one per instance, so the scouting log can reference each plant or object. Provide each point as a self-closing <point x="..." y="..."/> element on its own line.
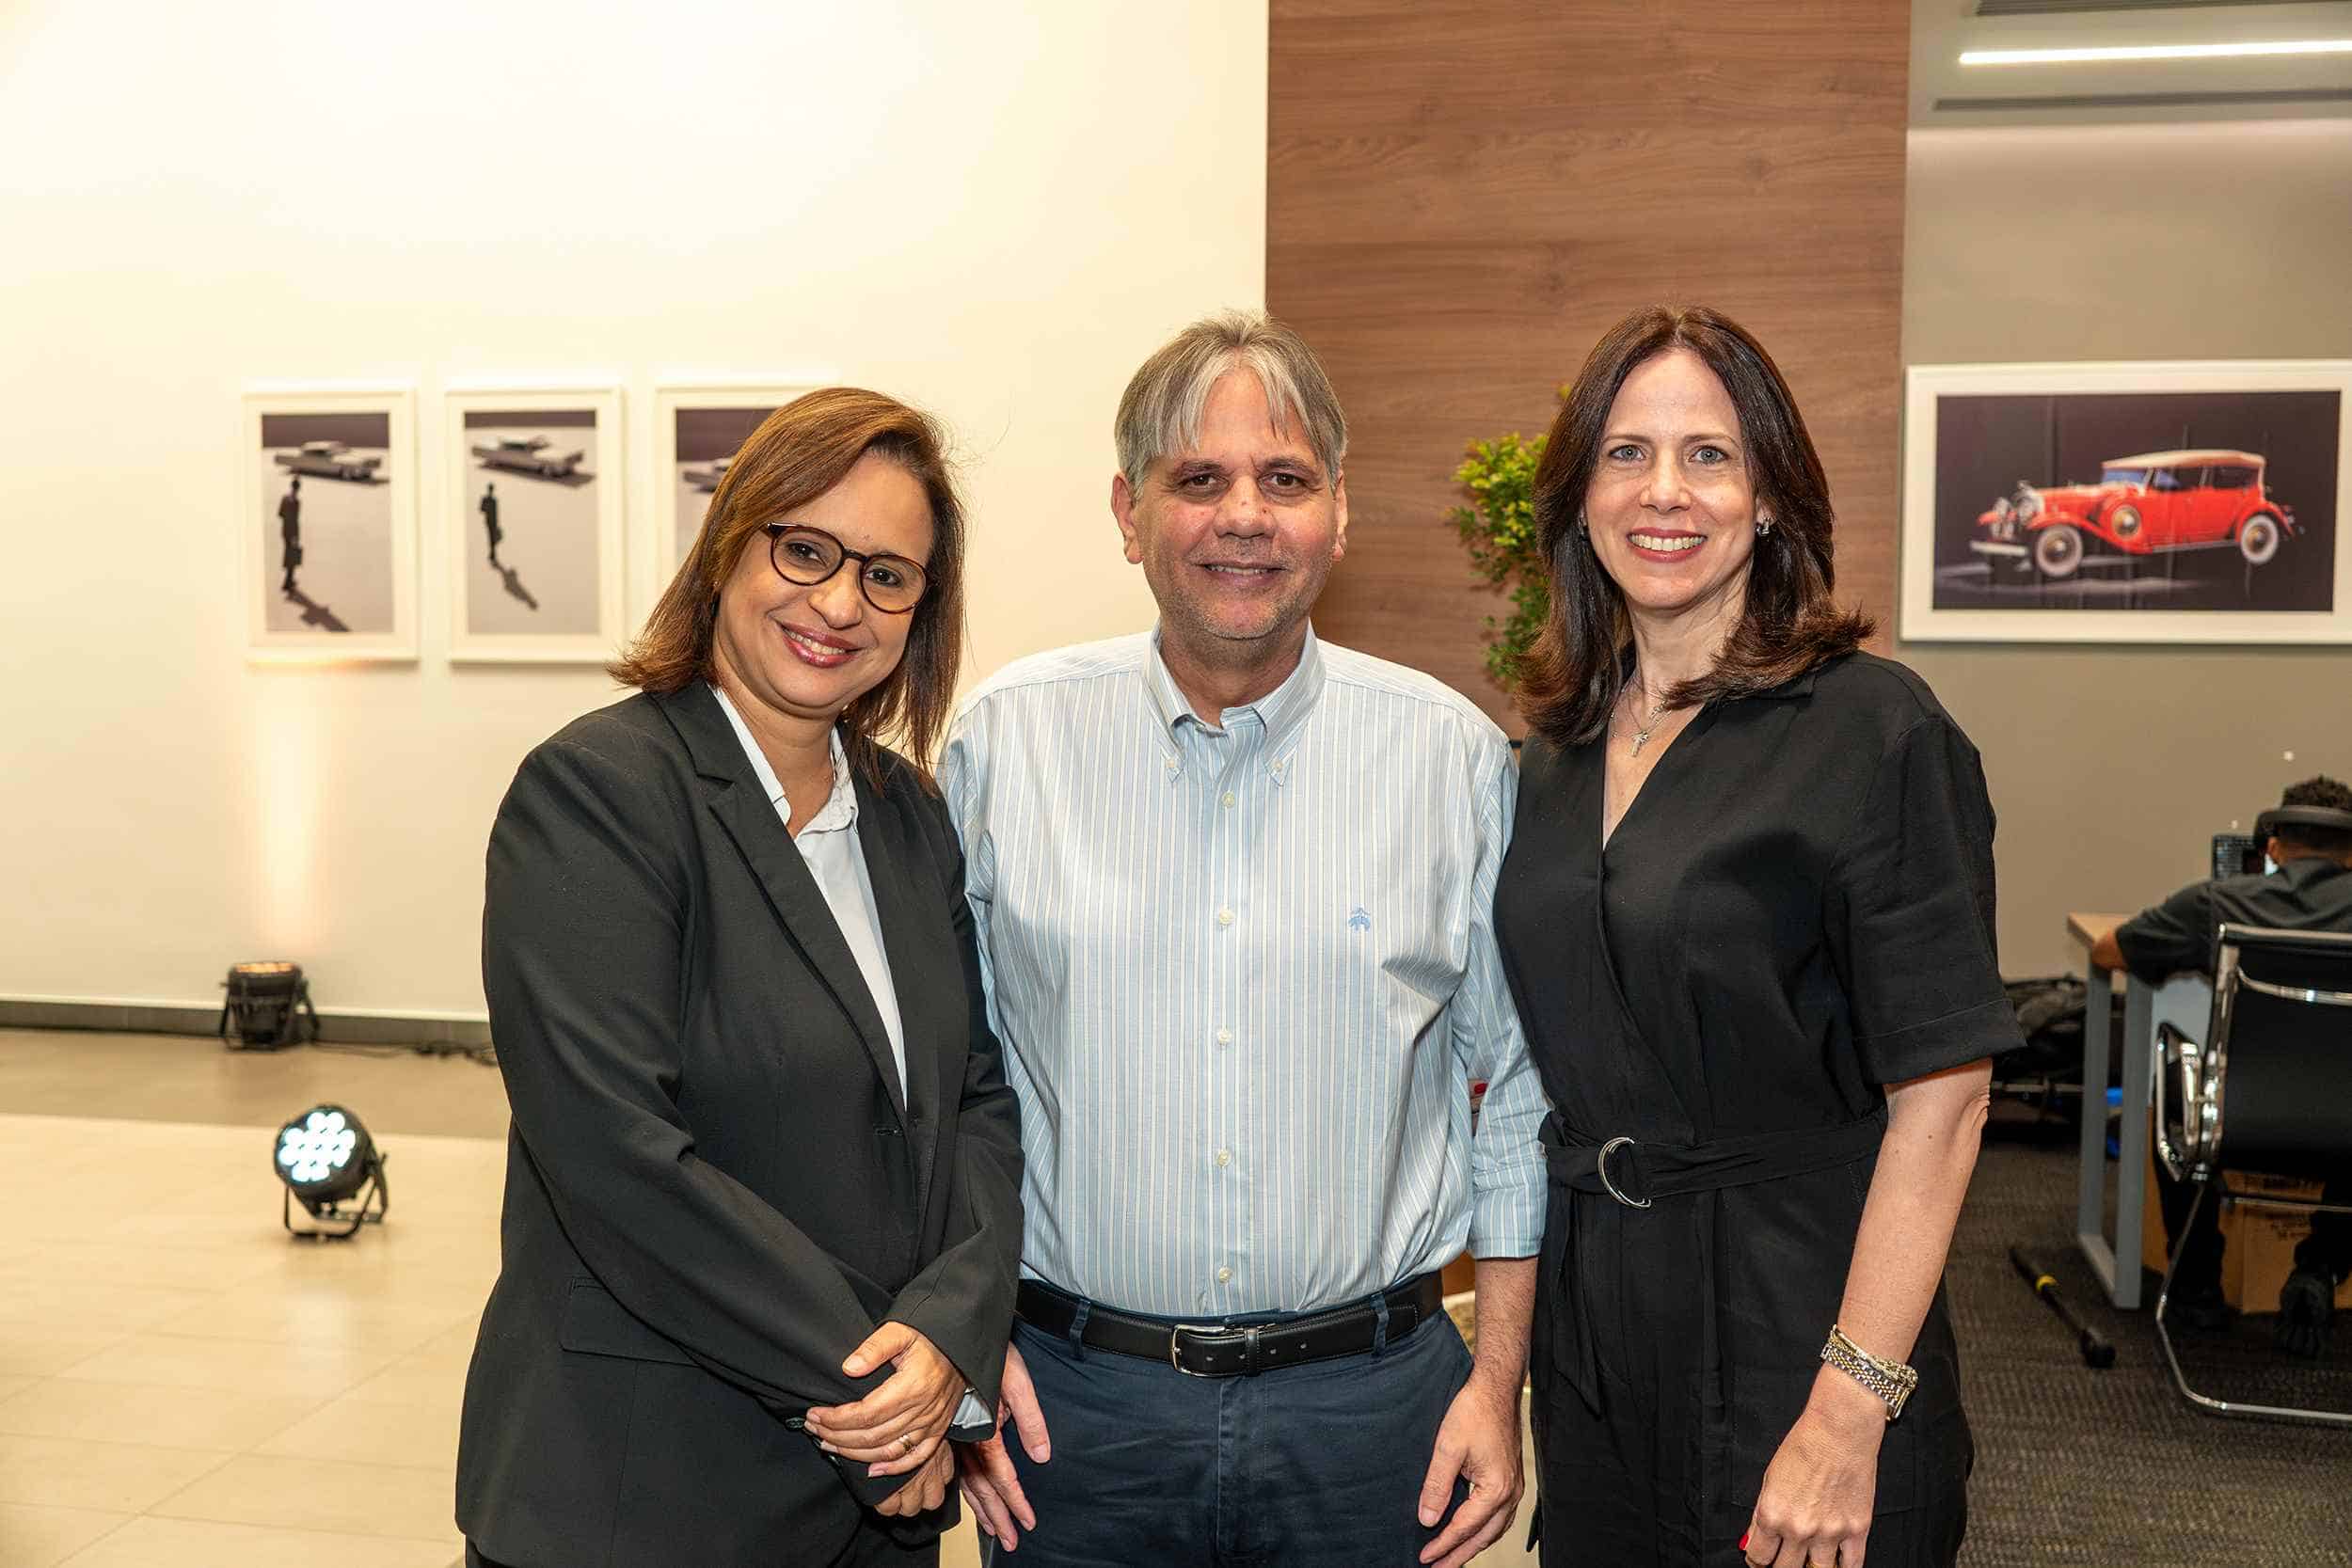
<point x="1763" y="526"/>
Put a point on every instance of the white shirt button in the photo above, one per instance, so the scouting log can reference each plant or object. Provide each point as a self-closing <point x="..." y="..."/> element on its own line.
<point x="1223" y="1275"/>
<point x="1229" y="799"/>
<point x="1172" y="765"/>
<point x="1224" y="1157"/>
<point x="1224" y="1037"/>
<point x="1224" y="917"/>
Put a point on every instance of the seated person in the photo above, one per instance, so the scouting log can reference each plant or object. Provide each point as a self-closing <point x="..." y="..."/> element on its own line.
<point x="2308" y="888"/>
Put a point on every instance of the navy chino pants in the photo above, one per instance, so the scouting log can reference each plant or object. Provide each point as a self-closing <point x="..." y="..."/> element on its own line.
<point x="1312" y="1467"/>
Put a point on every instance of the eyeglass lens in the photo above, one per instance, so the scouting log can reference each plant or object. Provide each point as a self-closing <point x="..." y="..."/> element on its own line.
<point x="809" y="556"/>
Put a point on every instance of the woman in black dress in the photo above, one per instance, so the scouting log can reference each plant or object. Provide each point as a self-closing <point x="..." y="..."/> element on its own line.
<point x="1748" y="918"/>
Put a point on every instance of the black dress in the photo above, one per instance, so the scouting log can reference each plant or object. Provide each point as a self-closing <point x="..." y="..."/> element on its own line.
<point x="1796" y="909"/>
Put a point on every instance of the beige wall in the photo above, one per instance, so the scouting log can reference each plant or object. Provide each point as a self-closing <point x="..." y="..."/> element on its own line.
<point x="2109" y="767"/>
<point x="994" y="210"/>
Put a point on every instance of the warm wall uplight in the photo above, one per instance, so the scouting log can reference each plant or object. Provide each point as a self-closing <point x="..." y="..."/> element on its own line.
<point x="2152" y="51"/>
<point x="291" y="738"/>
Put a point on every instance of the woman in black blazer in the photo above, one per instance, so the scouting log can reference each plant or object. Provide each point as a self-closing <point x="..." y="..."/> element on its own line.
<point x="763" y="1214"/>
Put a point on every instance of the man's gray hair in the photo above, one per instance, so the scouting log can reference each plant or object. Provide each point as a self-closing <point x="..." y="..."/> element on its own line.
<point x="1161" y="410"/>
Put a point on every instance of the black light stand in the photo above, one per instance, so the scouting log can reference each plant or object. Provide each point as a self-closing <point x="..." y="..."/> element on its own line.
<point x="377" y="1192"/>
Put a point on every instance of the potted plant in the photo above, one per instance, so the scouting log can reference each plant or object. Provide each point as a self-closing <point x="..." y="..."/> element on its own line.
<point x="1498" y="528"/>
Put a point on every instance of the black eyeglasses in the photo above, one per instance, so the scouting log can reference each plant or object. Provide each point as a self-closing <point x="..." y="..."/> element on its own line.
<point x="810" y="556"/>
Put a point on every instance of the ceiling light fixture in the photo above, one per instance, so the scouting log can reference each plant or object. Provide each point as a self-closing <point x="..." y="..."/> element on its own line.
<point x="2152" y="51"/>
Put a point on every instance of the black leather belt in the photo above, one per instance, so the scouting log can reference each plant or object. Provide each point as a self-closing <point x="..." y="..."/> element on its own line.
<point x="1234" y="1350"/>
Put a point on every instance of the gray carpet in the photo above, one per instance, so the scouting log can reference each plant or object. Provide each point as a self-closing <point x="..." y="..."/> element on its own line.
<point x="2113" y="1468"/>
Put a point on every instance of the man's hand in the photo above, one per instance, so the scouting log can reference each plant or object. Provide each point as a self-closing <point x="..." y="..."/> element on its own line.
<point x="1479" y="1439"/>
<point x="925" y="1492"/>
<point x="985" y="1470"/>
<point x="1478" y="1442"/>
<point x="894" y="1429"/>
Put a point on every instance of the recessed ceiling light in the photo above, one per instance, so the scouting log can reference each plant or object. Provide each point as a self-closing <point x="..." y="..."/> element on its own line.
<point x="2152" y="51"/>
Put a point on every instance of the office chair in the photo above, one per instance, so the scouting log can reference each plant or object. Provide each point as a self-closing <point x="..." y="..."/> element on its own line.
<point x="2268" y="1089"/>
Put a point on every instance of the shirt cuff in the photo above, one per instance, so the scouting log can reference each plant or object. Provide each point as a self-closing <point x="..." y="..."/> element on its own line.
<point x="1508" y="1222"/>
<point x="972" y="1423"/>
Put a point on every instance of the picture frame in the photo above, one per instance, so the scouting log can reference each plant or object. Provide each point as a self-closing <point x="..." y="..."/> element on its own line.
<point x="697" y="426"/>
<point x="329" y="568"/>
<point x="534" y="521"/>
<point x="2176" y="502"/>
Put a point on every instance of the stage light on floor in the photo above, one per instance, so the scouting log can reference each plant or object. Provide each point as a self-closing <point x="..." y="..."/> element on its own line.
<point x="271" y="1003"/>
<point x="325" y="1159"/>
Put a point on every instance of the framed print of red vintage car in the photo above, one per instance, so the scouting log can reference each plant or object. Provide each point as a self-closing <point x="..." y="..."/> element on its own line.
<point x="2177" y="503"/>
<point x="2157" y="501"/>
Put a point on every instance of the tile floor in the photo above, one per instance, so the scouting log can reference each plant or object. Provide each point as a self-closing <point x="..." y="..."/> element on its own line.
<point x="182" y="1385"/>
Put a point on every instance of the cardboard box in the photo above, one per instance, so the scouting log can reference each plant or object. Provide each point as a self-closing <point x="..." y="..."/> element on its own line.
<point x="2258" y="1244"/>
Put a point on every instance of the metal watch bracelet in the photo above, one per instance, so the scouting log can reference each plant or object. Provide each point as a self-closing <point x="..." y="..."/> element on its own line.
<point x="1891" y="1381"/>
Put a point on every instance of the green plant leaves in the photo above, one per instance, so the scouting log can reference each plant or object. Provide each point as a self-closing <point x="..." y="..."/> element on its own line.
<point x="1498" y="529"/>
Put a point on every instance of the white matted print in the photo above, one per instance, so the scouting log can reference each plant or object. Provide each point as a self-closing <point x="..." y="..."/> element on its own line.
<point x="2194" y="501"/>
<point x="327" y="520"/>
<point x="535" y="523"/>
<point x="696" y="431"/>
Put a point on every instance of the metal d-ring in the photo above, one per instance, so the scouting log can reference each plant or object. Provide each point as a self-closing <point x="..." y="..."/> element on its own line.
<point x="1600" y="1163"/>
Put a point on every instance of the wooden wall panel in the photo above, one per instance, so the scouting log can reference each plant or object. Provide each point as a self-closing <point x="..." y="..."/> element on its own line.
<point x="1463" y="195"/>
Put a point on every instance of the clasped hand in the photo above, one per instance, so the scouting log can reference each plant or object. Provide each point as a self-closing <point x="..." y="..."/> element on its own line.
<point x="896" y="1429"/>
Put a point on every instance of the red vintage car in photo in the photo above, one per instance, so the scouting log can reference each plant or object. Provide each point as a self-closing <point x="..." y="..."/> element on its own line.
<point x="2156" y="503"/>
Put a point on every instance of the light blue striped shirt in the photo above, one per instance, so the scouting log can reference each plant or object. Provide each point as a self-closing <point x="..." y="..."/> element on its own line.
<point x="1244" y="975"/>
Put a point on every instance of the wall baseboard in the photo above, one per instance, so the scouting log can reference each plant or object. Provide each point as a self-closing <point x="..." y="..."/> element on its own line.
<point x="143" y="1018"/>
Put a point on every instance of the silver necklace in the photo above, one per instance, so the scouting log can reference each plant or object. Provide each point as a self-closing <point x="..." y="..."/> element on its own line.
<point x="1642" y="730"/>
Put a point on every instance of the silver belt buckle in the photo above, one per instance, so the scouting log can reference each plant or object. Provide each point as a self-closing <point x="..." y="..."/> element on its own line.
<point x="1190" y="1328"/>
<point x="1600" y="1163"/>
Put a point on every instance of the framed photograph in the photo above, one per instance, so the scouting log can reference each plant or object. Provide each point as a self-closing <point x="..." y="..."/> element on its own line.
<point x="2196" y="501"/>
<point x="535" y="523"/>
<point x="696" y="430"/>
<point x="328" y="523"/>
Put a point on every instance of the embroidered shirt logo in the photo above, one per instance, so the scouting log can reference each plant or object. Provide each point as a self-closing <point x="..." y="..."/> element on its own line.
<point x="1360" y="921"/>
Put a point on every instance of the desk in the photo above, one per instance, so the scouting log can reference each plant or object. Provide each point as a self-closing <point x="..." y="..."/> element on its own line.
<point x="2117" y="1262"/>
<point x="2183" y="1000"/>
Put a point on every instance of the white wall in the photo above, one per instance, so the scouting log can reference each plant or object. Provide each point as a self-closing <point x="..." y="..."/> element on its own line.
<point x="996" y="210"/>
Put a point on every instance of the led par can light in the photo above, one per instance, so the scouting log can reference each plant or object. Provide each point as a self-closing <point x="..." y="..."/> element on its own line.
<point x="270" y="1003"/>
<point x="325" y="1158"/>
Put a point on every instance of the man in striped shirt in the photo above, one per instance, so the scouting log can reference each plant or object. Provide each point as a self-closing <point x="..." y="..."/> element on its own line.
<point x="1232" y="890"/>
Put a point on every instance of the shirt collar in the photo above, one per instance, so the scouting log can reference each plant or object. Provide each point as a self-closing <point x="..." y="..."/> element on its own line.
<point x="1281" y="711"/>
<point x="2303" y="870"/>
<point x="1798" y="685"/>
<point x="839" y="810"/>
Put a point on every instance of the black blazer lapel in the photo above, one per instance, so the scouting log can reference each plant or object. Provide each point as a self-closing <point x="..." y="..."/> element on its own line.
<point x="736" y="798"/>
<point x="913" y="938"/>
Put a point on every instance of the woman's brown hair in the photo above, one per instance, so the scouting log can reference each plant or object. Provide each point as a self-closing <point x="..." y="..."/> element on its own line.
<point x="799" y="453"/>
<point x="1571" y="678"/>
